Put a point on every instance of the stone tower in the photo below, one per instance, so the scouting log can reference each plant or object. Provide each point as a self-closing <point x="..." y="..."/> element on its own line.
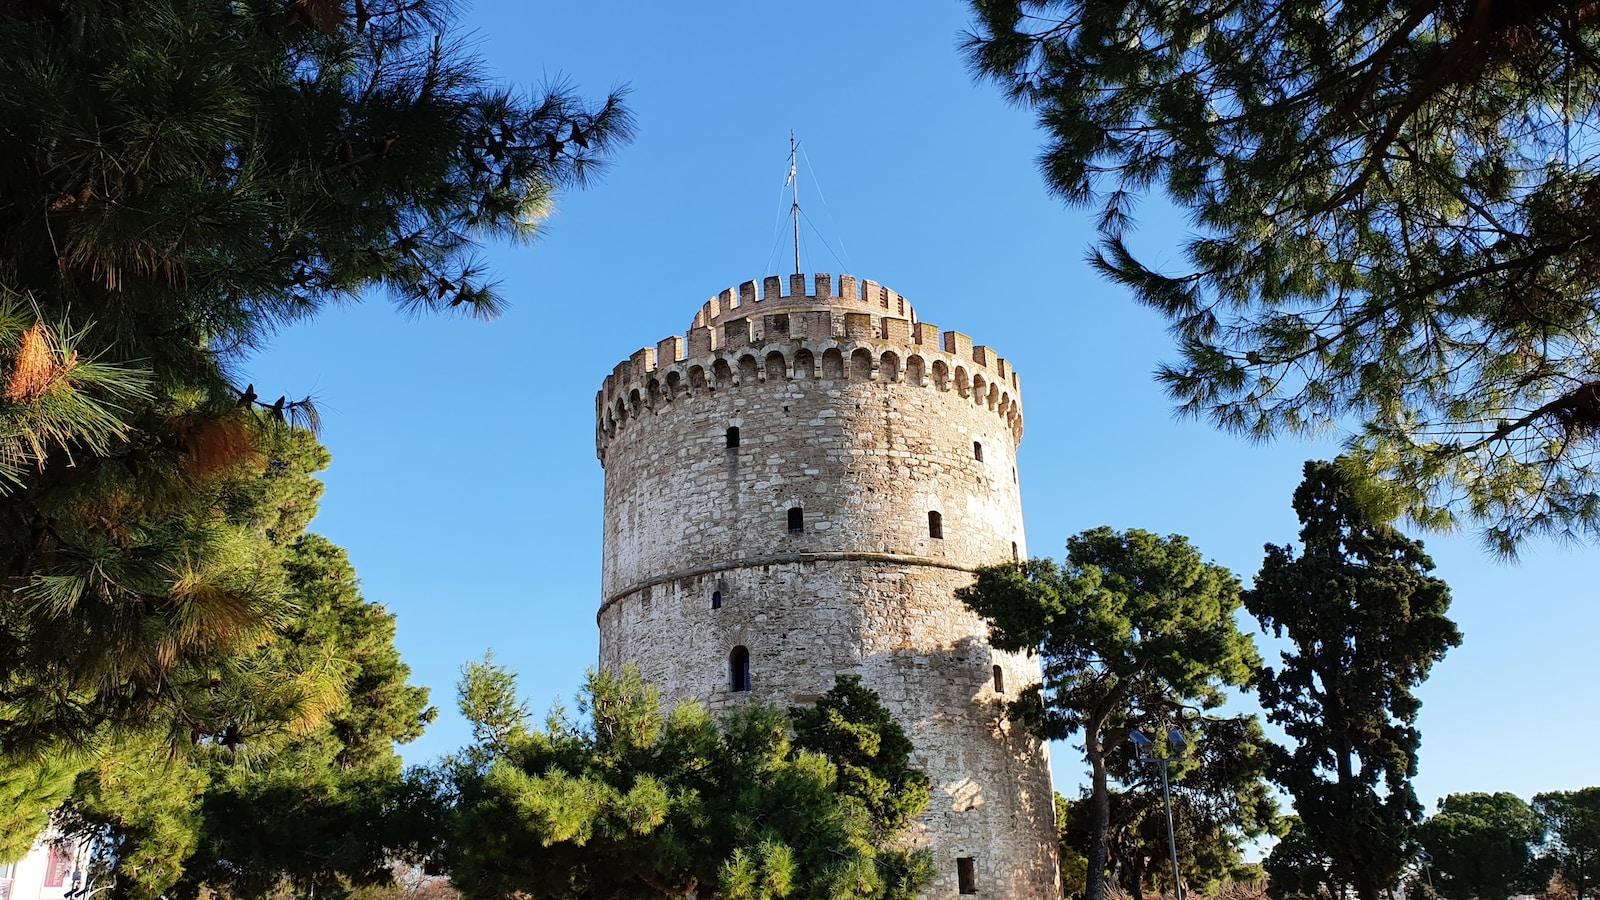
<point x="795" y="492"/>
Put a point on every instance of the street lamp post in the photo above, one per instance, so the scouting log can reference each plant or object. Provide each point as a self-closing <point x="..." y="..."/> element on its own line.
<point x="1143" y="748"/>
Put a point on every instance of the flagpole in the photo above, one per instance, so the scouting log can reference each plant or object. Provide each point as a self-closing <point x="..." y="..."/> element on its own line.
<point x="794" y="206"/>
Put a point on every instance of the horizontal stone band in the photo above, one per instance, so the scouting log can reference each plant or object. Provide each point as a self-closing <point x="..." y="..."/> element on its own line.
<point x="781" y="559"/>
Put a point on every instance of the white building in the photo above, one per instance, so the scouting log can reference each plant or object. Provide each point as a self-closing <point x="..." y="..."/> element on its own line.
<point x="50" y="871"/>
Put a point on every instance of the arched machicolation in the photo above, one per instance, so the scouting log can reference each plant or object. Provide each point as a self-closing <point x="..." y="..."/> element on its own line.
<point x="861" y="332"/>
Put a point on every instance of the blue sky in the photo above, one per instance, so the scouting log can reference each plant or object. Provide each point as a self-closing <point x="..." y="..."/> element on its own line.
<point x="464" y="482"/>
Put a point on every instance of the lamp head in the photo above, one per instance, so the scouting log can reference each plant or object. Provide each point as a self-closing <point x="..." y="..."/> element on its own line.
<point x="1141" y="743"/>
<point x="1175" y="741"/>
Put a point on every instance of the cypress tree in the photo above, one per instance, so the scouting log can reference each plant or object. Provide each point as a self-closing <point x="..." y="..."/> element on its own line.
<point x="1365" y="621"/>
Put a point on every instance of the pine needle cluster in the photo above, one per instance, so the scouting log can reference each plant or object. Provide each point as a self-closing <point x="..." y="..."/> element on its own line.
<point x="1396" y="224"/>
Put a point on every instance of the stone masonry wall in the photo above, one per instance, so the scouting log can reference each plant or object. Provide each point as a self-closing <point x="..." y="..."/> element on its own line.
<point x="867" y="438"/>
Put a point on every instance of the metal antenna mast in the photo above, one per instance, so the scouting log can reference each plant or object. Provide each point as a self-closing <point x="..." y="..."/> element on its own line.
<point x="794" y="205"/>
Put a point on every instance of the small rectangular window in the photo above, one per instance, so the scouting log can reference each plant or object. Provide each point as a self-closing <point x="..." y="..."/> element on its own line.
<point x="967" y="874"/>
<point x="977" y="451"/>
<point x="733" y="437"/>
<point x="797" y="520"/>
<point x="999" y="680"/>
<point x="935" y="525"/>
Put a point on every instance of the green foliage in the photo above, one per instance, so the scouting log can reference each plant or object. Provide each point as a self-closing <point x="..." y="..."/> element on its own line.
<point x="1365" y="622"/>
<point x="299" y="783"/>
<point x="633" y="802"/>
<point x="1134" y="632"/>
<point x="144" y="806"/>
<point x="188" y="176"/>
<point x="1394" y="206"/>
<point x="1220" y="802"/>
<point x="318" y="807"/>
<point x="55" y="401"/>
<point x="1298" y="868"/>
<point x="853" y="729"/>
<point x="29" y="791"/>
<point x="1072" y="826"/>
<point x="1481" y="845"/>
<point x="1572" y="821"/>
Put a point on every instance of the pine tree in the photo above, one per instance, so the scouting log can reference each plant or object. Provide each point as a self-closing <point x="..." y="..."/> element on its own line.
<point x="1134" y="632"/>
<point x="1480" y="846"/>
<point x="30" y="790"/>
<point x="295" y="780"/>
<point x="1572" y="820"/>
<point x="852" y="728"/>
<point x="1395" y="208"/>
<point x="1365" y="621"/>
<point x="185" y="177"/>
<point x="634" y="802"/>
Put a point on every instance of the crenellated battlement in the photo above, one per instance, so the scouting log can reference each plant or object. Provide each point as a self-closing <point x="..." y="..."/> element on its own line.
<point x="858" y="331"/>
<point x="802" y="291"/>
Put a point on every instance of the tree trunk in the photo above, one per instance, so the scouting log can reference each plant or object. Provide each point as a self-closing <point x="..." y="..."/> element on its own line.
<point x="1366" y="883"/>
<point x="1100" y="798"/>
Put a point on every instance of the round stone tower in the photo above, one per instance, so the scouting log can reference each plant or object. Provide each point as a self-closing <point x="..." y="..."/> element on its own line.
<point x="795" y="492"/>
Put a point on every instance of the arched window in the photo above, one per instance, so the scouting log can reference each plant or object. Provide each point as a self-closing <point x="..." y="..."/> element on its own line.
<point x="797" y="520"/>
<point x="889" y="366"/>
<point x="832" y="363"/>
<point x="716" y="599"/>
<point x="915" y="369"/>
<point x="733" y="436"/>
<point x="861" y="364"/>
<point x="935" y="525"/>
<point x="977" y="450"/>
<point x="999" y="680"/>
<point x="805" y="365"/>
<point x="739" y="669"/>
<point x="1015" y="557"/>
